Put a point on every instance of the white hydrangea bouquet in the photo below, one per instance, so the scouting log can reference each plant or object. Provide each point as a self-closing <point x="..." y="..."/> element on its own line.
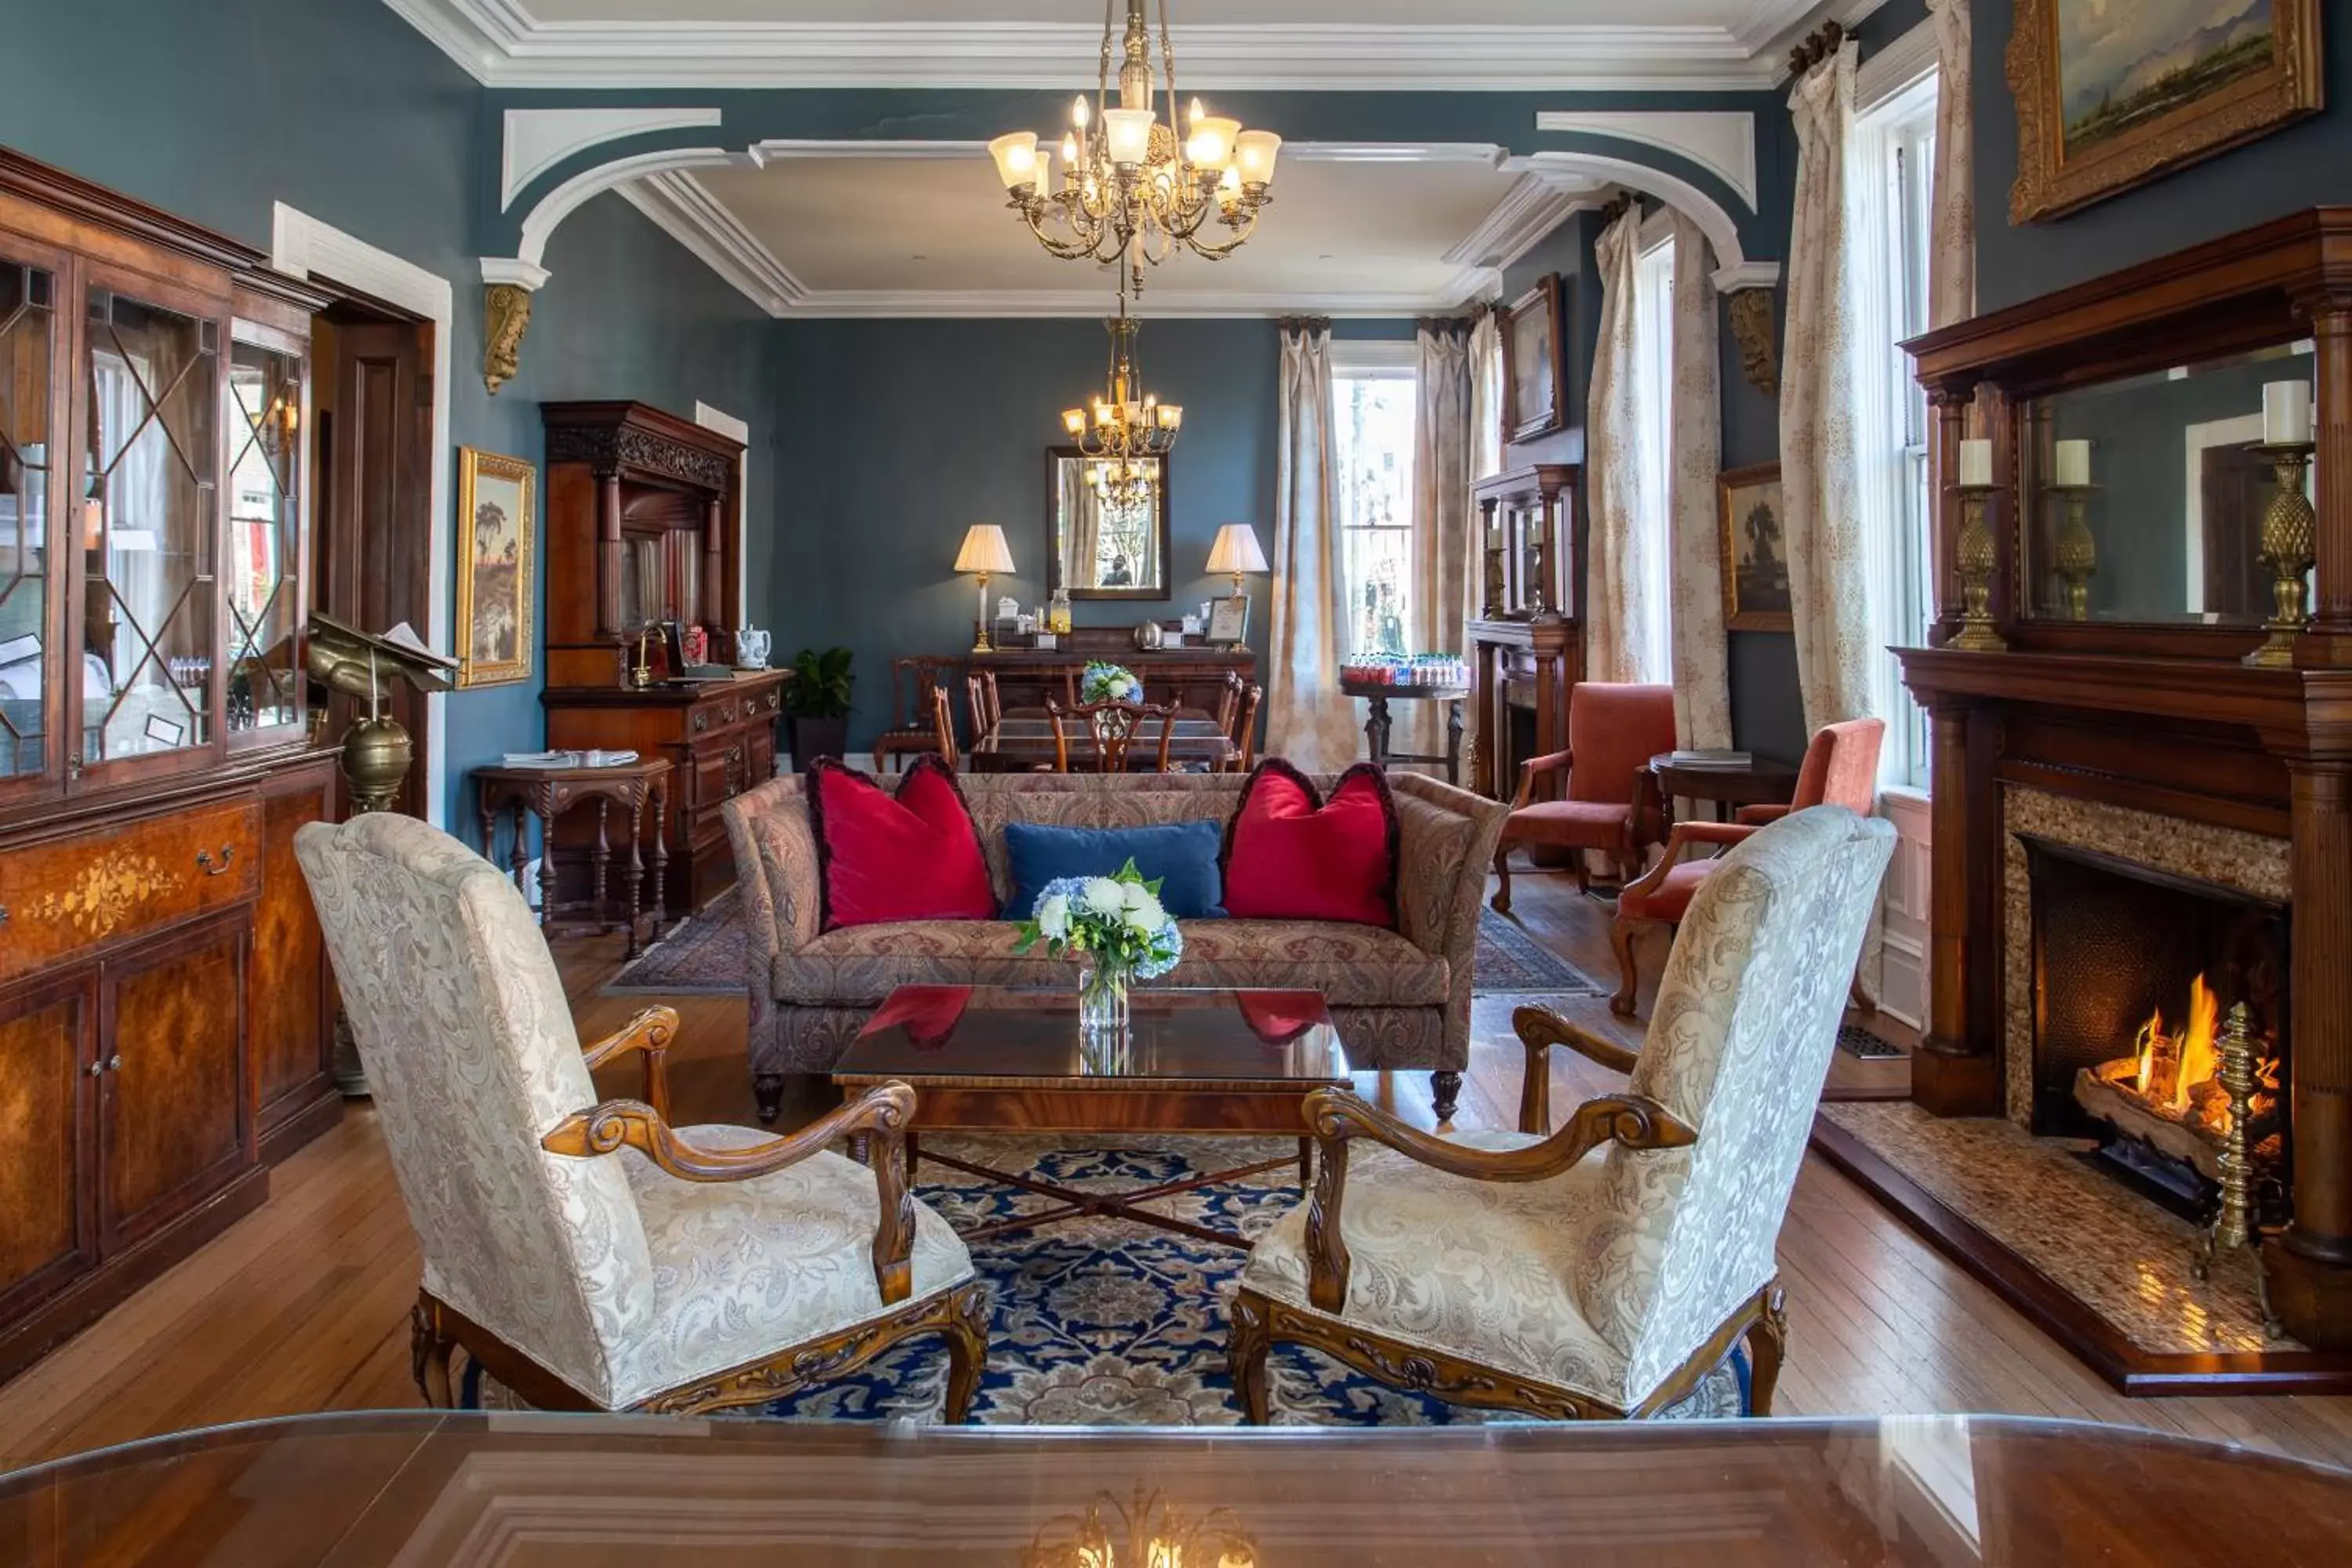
<point x="1104" y="682"/>
<point x="1116" y="926"/>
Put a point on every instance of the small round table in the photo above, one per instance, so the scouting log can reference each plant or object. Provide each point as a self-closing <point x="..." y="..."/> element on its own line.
<point x="1380" y="693"/>
<point x="1757" y="782"/>
<point x="547" y="794"/>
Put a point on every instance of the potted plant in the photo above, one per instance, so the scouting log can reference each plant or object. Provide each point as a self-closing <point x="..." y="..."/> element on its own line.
<point x="817" y="704"/>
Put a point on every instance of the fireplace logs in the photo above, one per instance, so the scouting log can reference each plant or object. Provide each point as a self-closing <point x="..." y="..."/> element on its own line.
<point x="2168" y="1093"/>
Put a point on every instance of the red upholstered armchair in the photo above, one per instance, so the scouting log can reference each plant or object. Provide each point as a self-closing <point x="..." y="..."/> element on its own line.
<point x="1614" y="731"/>
<point x="1840" y="768"/>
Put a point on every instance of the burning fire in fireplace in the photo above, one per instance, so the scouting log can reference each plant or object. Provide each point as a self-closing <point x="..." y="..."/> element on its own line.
<point x="2166" y="1093"/>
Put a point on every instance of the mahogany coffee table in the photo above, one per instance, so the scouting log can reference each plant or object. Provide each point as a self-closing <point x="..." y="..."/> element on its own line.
<point x="990" y="1059"/>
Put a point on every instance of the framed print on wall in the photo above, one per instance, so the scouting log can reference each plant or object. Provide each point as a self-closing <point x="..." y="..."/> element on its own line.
<point x="2111" y="95"/>
<point x="1755" y="551"/>
<point x="496" y="599"/>
<point x="1535" y="362"/>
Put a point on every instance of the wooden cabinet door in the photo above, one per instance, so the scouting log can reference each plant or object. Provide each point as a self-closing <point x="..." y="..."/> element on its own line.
<point x="175" y="1116"/>
<point x="292" y="1021"/>
<point x="49" y="1234"/>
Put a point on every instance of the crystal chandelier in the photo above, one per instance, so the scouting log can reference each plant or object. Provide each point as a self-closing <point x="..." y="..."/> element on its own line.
<point x="1133" y="189"/>
<point x="1127" y="428"/>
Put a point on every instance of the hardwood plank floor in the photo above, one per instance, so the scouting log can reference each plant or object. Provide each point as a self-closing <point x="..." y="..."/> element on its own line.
<point x="303" y="1305"/>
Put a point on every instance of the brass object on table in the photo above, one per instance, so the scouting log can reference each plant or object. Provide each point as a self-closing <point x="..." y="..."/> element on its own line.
<point x="2289" y="530"/>
<point x="2233" y="1222"/>
<point x="1976" y="558"/>
<point x="2077" y="552"/>
<point x="376" y="755"/>
<point x="1153" y="1535"/>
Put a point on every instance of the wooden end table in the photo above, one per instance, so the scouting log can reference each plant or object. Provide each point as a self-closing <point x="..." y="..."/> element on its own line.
<point x="548" y="793"/>
<point x="990" y="1059"/>
<point x="1378" y="694"/>
<point x="1760" y="782"/>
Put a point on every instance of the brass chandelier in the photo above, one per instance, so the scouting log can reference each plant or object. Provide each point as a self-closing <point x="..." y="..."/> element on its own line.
<point x="1127" y="427"/>
<point x="1134" y="189"/>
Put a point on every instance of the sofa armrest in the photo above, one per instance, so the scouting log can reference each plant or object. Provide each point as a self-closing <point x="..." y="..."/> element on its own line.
<point x="775" y="867"/>
<point x="1445" y="842"/>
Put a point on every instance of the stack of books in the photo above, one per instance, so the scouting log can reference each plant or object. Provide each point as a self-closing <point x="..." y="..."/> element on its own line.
<point x="590" y="759"/>
<point x="1730" y="762"/>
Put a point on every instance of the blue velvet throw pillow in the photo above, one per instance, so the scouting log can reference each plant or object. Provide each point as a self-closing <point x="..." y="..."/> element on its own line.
<point x="1182" y="854"/>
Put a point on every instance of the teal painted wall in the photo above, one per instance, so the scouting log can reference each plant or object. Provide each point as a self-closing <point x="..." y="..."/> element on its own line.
<point x="339" y="107"/>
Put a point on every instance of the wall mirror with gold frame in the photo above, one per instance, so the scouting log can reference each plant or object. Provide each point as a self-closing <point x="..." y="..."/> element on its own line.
<point x="1099" y="545"/>
<point x="2142" y="496"/>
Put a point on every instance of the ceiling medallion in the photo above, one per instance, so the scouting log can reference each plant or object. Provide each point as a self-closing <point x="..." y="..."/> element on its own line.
<point x="1133" y="189"/>
<point x="1127" y="428"/>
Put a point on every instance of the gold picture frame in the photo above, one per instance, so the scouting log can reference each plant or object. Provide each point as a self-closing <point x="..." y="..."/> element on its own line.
<point x="1749" y="513"/>
<point x="498" y="598"/>
<point x="2134" y="115"/>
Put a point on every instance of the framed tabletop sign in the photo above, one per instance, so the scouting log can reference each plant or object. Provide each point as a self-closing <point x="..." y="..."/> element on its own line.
<point x="496" y="605"/>
<point x="1228" y="619"/>
<point x="1755" y="550"/>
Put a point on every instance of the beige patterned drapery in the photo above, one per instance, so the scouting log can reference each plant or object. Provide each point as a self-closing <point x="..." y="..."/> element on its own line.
<point x="1618" y="607"/>
<point x="1695" y="457"/>
<point x="1952" y="237"/>
<point x="1442" y="546"/>
<point x="1308" y="720"/>
<point x="1486" y="394"/>
<point x="1827" y="581"/>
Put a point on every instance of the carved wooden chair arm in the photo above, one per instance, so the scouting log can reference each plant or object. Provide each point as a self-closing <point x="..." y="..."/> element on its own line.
<point x="881" y="1114"/>
<point x="1683" y="836"/>
<point x="1337" y="1116"/>
<point x="650" y="1032"/>
<point x="1539" y="1029"/>
<point x="1550" y="763"/>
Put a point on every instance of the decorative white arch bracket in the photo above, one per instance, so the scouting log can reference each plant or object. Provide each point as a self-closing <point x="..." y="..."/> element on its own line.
<point x="537" y="140"/>
<point x="1734" y="271"/>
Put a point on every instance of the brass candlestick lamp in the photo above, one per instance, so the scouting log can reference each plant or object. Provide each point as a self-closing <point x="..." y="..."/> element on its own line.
<point x="2290" y="532"/>
<point x="1973" y="553"/>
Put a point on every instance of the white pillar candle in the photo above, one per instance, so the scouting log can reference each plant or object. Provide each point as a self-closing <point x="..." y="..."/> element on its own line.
<point x="2075" y="462"/>
<point x="2286" y="413"/>
<point x="1976" y="462"/>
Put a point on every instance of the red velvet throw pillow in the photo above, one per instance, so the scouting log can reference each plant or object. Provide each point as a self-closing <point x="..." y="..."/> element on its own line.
<point x="914" y="857"/>
<point x="1292" y="855"/>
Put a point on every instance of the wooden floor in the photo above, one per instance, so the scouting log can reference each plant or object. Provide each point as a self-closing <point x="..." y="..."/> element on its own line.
<point x="303" y="1306"/>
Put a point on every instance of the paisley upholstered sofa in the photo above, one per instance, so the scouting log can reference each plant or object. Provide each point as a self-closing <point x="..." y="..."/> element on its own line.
<point x="1400" y="999"/>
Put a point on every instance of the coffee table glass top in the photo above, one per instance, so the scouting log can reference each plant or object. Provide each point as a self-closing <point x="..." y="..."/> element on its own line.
<point x="1175" y="1035"/>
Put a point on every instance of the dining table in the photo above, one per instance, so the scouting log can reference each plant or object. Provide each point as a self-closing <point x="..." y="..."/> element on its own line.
<point x="1022" y="741"/>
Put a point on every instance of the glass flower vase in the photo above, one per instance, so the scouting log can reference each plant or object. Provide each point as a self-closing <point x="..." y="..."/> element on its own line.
<point x="1102" y="1001"/>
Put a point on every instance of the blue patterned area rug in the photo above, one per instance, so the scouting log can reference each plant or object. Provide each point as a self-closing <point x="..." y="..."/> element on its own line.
<point x="1107" y="1322"/>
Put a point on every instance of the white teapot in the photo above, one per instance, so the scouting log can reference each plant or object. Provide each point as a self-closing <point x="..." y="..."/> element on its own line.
<point x="751" y="647"/>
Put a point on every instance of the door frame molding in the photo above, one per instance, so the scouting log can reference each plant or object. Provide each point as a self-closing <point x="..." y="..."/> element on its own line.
<point x="301" y="245"/>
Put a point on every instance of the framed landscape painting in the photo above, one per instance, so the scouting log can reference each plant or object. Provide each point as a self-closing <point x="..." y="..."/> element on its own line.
<point x="2110" y="94"/>
<point x="496" y="602"/>
<point x="1755" y="551"/>
<point x="1535" y="362"/>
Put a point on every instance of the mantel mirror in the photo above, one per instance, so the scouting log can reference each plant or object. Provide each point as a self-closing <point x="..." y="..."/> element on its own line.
<point x="2142" y="498"/>
<point x="1106" y="532"/>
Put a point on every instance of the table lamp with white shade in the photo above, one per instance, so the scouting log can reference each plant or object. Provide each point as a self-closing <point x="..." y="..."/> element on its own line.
<point x="984" y="552"/>
<point x="1235" y="552"/>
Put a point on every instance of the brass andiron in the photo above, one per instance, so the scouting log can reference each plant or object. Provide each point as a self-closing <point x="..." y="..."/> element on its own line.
<point x="1976" y="558"/>
<point x="2289" y="537"/>
<point x="2233" y="1222"/>
<point x="2077" y="552"/>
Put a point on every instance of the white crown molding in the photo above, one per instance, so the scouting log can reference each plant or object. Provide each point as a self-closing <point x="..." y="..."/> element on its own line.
<point x="1170" y="304"/>
<point x="1895" y="66"/>
<point x="302" y="246"/>
<point x="1528" y="211"/>
<point x="686" y="210"/>
<point x="536" y="140"/>
<point x="1721" y="141"/>
<point x="501" y="44"/>
<point x="530" y="275"/>
<point x="1747" y="275"/>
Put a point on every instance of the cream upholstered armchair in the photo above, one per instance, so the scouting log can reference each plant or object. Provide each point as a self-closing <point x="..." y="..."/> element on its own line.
<point x="1602" y="1269"/>
<point x="589" y="1256"/>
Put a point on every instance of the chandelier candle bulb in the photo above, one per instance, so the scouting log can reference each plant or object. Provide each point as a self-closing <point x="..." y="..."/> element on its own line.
<point x="2286" y="413"/>
<point x="1976" y="462"/>
<point x="2073" y="463"/>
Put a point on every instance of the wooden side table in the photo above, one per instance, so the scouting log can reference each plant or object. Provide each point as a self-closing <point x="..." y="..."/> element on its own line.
<point x="1759" y="783"/>
<point x="1377" y="723"/>
<point x="547" y="794"/>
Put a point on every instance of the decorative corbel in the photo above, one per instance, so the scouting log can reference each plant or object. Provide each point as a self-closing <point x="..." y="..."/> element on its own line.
<point x="507" y="287"/>
<point x="1751" y="329"/>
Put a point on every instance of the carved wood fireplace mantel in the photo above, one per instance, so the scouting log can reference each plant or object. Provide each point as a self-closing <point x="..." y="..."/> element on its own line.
<point x="2137" y="702"/>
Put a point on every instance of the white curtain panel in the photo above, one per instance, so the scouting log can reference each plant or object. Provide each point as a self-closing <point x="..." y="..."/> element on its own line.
<point x="1828" y="582"/>
<point x="1443" y="542"/>
<point x="1618" y="610"/>
<point x="1952" y="239"/>
<point x="1486" y="395"/>
<point x="1308" y="720"/>
<point x="1695" y="422"/>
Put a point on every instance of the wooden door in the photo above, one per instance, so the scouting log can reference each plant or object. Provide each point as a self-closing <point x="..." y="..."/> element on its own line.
<point x="375" y="541"/>
<point x="175" y="1119"/>
<point x="2236" y="489"/>
<point x="48" y="1233"/>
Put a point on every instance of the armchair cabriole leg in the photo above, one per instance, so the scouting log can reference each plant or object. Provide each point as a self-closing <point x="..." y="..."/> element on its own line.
<point x="1247" y="1345"/>
<point x="1444" y="1092"/>
<point x="1502" y="899"/>
<point x="967" y="1337"/>
<point x="1621" y="933"/>
<point x="429" y="1348"/>
<point x="1768" y="1346"/>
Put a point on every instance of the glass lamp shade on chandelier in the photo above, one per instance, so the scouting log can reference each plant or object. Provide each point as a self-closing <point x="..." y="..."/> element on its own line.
<point x="1134" y="189"/>
<point x="1124" y="426"/>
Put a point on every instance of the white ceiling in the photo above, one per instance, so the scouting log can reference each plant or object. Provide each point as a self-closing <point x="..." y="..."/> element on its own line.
<point x="1727" y="14"/>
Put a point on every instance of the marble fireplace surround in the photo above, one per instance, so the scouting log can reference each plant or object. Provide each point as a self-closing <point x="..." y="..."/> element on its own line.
<point x="2246" y="862"/>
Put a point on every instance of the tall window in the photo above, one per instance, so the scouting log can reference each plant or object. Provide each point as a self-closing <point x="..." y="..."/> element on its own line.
<point x="1654" y="394"/>
<point x="1374" y="394"/>
<point x="1894" y="148"/>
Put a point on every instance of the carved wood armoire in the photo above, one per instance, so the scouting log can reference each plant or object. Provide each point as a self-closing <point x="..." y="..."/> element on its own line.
<point x="165" y="1016"/>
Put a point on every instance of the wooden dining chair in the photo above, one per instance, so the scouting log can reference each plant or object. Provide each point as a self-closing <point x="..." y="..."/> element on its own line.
<point x="942" y="723"/>
<point x="1229" y="700"/>
<point x="910" y="732"/>
<point x="1113" y="727"/>
<point x="981" y="707"/>
<point x="1244" y="733"/>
